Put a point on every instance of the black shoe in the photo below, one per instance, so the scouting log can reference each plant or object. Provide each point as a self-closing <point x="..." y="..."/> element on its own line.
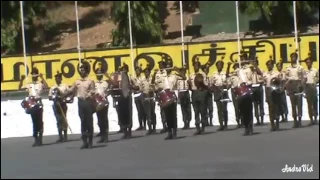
<point x="35" y="142"/>
<point x="202" y="129"/>
<point x="60" y="137"/>
<point x="101" y="140"/>
<point x="311" y="123"/>
<point x="198" y="130"/>
<point x="170" y="136"/>
<point x="140" y="128"/>
<point x="90" y="141"/>
<point x="221" y="128"/>
<point x="40" y="139"/>
<point x="125" y="134"/>
<point x="163" y="130"/>
<point x="129" y="135"/>
<point x="225" y="127"/>
<point x="120" y="131"/>
<point x="84" y="142"/>
<point x="174" y="133"/>
<point x="258" y="124"/>
<point x="246" y="132"/>
<point x="98" y="135"/>
<point x="315" y="122"/>
<point x="65" y="136"/>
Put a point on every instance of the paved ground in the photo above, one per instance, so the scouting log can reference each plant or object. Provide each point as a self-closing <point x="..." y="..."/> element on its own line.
<point x="214" y="155"/>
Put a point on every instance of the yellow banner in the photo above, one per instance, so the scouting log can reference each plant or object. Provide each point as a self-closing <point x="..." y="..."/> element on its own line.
<point x="278" y="48"/>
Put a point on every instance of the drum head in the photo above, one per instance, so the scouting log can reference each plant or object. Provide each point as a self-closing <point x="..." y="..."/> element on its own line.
<point x="125" y="84"/>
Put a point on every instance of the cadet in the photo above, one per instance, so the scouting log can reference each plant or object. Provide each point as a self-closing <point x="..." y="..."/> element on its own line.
<point x="312" y="76"/>
<point x="273" y="97"/>
<point x="184" y="99"/>
<point x="209" y="97"/>
<point x="219" y="82"/>
<point x="168" y="81"/>
<point x="295" y="75"/>
<point x="245" y="102"/>
<point x="199" y="99"/>
<point x="84" y="89"/>
<point x="138" y="99"/>
<point x="257" y="88"/>
<point x="284" y="106"/>
<point x="35" y="89"/>
<point x="233" y="79"/>
<point x="60" y="108"/>
<point x="148" y="102"/>
<point x="101" y="88"/>
<point x="157" y="76"/>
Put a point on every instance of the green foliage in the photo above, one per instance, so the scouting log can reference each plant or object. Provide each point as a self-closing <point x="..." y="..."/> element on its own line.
<point x="145" y="20"/>
<point x="11" y="22"/>
<point x="279" y="14"/>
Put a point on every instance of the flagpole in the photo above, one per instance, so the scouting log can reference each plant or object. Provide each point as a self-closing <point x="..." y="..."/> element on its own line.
<point x="182" y="33"/>
<point x="296" y="29"/>
<point x="131" y="41"/>
<point x="24" y="41"/>
<point x="78" y="29"/>
<point x="238" y="32"/>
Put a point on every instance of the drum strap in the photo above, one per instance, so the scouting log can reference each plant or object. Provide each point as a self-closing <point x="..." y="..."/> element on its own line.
<point x="33" y="91"/>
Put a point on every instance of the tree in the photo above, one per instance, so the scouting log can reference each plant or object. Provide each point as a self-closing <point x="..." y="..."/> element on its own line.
<point x="278" y="15"/>
<point x="146" y="23"/>
<point x="11" y="23"/>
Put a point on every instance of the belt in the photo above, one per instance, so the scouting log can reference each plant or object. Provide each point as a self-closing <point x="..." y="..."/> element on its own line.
<point x="183" y="90"/>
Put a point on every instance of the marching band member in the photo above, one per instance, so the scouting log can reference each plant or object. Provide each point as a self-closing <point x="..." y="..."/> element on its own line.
<point x="168" y="82"/>
<point x="101" y="88"/>
<point x="149" y="104"/>
<point x="284" y="106"/>
<point x="295" y="75"/>
<point x="60" y="108"/>
<point x="84" y="88"/>
<point x="245" y="102"/>
<point x="136" y="81"/>
<point x="312" y="76"/>
<point x="273" y="98"/>
<point x="258" y="99"/>
<point x="184" y="99"/>
<point x="124" y="101"/>
<point x="219" y="82"/>
<point x="209" y="97"/>
<point x="199" y="99"/>
<point x="234" y="81"/>
<point x="35" y="89"/>
<point x="161" y="74"/>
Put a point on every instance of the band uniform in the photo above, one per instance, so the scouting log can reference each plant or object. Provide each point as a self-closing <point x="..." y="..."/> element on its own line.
<point x="148" y="100"/>
<point x="60" y="108"/>
<point x="233" y="79"/>
<point x="284" y="104"/>
<point x="220" y="82"/>
<point x="101" y="88"/>
<point x="138" y="99"/>
<point x="258" y="98"/>
<point x="295" y="75"/>
<point x="209" y="97"/>
<point x="84" y="88"/>
<point x="184" y="100"/>
<point x="35" y="89"/>
<point x="199" y="100"/>
<point x="312" y="79"/>
<point x="273" y="97"/>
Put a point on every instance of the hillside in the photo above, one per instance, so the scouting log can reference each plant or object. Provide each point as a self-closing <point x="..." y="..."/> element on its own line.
<point x="96" y="26"/>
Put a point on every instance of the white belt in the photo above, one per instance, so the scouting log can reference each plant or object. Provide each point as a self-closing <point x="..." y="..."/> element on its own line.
<point x="182" y="90"/>
<point x="255" y="85"/>
<point x="136" y="95"/>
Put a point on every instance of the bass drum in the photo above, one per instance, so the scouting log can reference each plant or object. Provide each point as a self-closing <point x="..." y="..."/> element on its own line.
<point x="242" y="91"/>
<point x="31" y="104"/>
<point x="100" y="102"/>
<point x="166" y="98"/>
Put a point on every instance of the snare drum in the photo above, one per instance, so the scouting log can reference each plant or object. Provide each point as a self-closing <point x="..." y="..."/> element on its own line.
<point x="100" y="102"/>
<point x="31" y="104"/>
<point x="166" y="98"/>
<point x="242" y="90"/>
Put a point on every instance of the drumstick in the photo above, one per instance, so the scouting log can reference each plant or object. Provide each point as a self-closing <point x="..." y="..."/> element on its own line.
<point x="65" y="119"/>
